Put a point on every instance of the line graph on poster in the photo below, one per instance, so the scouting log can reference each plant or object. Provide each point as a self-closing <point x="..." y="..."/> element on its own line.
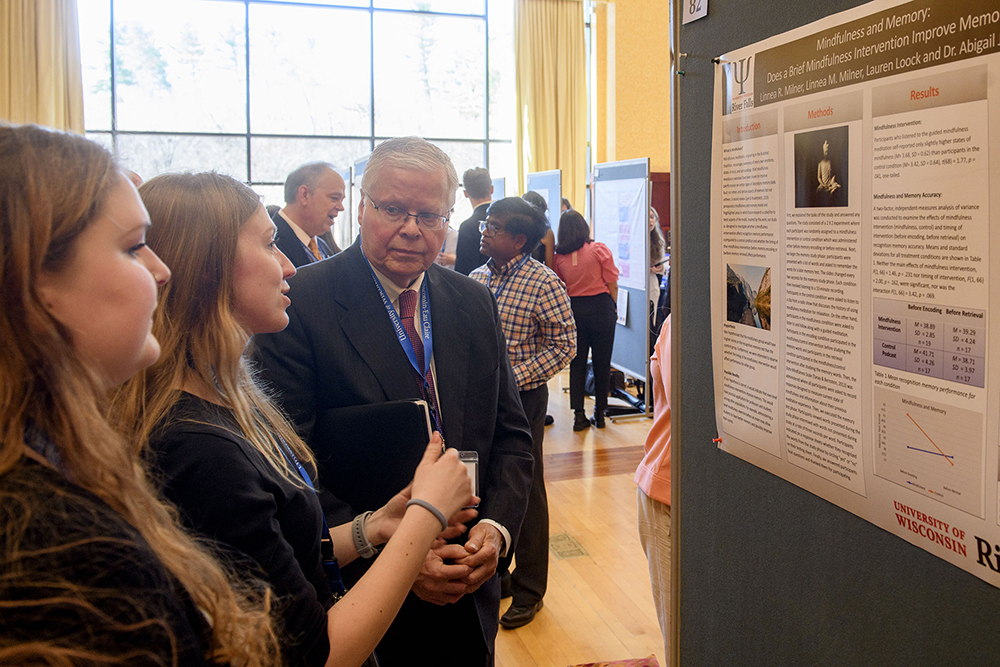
<point x="934" y="449"/>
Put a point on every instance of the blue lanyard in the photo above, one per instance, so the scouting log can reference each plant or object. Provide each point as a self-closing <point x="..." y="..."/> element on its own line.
<point x="292" y="459"/>
<point x="330" y="567"/>
<point x="426" y="334"/>
<point x="503" y="284"/>
<point x="43" y="446"/>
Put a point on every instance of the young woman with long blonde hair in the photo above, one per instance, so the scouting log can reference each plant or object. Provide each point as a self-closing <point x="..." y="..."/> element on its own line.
<point x="94" y="569"/>
<point x="226" y="456"/>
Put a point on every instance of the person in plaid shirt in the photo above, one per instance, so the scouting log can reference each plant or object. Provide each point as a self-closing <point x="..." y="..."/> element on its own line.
<point x="537" y="321"/>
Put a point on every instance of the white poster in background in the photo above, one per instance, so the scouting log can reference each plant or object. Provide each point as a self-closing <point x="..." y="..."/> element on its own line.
<point x="544" y="192"/>
<point x="622" y="223"/>
<point x="851" y="255"/>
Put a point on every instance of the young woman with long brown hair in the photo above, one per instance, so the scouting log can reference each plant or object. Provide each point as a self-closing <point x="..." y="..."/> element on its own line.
<point x="94" y="569"/>
<point x="226" y="456"/>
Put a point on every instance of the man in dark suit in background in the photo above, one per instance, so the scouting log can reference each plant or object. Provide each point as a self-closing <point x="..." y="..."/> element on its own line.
<point x="314" y="195"/>
<point x="345" y="346"/>
<point x="479" y="189"/>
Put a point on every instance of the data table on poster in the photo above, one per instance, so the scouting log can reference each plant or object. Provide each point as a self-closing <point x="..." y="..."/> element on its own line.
<point x="931" y="340"/>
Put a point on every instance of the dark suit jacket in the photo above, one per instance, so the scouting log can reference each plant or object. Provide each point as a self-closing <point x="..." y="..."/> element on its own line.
<point x="467" y="255"/>
<point x="292" y="247"/>
<point x="339" y="350"/>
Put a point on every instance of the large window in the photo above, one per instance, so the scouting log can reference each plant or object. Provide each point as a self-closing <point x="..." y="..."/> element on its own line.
<point x="254" y="88"/>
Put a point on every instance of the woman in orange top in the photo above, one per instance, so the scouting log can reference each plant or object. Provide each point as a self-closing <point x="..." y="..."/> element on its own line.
<point x="653" y="478"/>
<point x="591" y="279"/>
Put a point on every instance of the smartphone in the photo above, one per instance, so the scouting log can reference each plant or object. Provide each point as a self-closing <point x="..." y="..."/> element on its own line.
<point x="471" y="461"/>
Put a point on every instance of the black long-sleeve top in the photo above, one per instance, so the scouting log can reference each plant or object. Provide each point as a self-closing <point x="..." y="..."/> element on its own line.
<point x="88" y="579"/>
<point x="467" y="255"/>
<point x="231" y="493"/>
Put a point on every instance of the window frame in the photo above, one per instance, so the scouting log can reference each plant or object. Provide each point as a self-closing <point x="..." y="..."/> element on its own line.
<point x="111" y="136"/>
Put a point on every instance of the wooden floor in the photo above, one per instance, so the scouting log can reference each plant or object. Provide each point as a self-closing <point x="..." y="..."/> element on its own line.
<point x="598" y="605"/>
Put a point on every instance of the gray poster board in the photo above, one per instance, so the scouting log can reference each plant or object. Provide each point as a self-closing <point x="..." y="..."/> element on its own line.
<point x="631" y="351"/>
<point x="771" y="574"/>
<point x="499" y="188"/>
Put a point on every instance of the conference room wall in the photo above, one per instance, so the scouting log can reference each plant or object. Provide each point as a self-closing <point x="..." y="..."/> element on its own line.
<point x="631" y="43"/>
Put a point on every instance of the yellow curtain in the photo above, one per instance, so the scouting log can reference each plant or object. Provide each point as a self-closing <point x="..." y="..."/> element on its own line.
<point x="551" y="80"/>
<point x="41" y="80"/>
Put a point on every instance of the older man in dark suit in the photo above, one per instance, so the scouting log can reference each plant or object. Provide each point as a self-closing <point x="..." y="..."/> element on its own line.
<point x="314" y="195"/>
<point x="381" y="322"/>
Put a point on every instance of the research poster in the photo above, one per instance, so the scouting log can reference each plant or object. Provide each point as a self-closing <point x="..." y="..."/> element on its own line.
<point x="852" y="250"/>
<point x="622" y="223"/>
<point x="544" y="192"/>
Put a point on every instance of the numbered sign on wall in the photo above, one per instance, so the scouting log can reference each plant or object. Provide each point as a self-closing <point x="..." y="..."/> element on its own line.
<point x="694" y="9"/>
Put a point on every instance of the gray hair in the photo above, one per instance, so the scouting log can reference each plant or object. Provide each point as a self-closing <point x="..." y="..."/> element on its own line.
<point x="306" y="175"/>
<point x="409" y="153"/>
<point x="477" y="182"/>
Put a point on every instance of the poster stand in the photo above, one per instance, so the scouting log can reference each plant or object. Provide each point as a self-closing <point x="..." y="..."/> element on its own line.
<point x="766" y="572"/>
<point x="357" y="173"/>
<point x="345" y="221"/>
<point x="620" y="213"/>
<point x="549" y="185"/>
<point x="499" y="188"/>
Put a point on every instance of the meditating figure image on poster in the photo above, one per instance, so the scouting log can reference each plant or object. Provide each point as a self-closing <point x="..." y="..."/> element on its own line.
<point x="821" y="168"/>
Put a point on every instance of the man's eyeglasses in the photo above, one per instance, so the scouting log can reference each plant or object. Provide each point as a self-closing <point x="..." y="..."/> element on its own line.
<point x="397" y="215"/>
<point x="490" y="225"/>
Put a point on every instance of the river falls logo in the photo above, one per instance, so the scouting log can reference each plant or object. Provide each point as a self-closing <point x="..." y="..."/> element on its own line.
<point x="741" y="76"/>
<point x="740" y="84"/>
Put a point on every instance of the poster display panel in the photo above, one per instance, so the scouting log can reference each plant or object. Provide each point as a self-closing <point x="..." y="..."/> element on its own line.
<point x="548" y="184"/>
<point x="851" y="267"/>
<point x="343" y="225"/>
<point x="358" y="173"/>
<point x="620" y="193"/>
<point x="499" y="188"/>
<point x="621" y="213"/>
